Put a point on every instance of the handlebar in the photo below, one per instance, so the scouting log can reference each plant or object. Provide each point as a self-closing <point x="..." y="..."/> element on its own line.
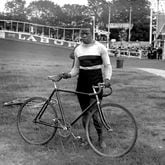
<point x="108" y="93"/>
<point x="100" y="86"/>
<point x="55" y="78"/>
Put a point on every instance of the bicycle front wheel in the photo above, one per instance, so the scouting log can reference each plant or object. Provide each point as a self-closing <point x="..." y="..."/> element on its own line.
<point x="30" y="131"/>
<point x="119" y="139"/>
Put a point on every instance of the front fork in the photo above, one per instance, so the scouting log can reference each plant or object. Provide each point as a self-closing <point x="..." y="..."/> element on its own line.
<point x="103" y="120"/>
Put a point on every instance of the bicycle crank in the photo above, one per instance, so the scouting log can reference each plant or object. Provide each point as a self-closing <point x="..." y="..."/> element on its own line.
<point x="64" y="131"/>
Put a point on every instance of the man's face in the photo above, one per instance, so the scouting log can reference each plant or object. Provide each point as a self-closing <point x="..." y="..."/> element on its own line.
<point x="86" y="36"/>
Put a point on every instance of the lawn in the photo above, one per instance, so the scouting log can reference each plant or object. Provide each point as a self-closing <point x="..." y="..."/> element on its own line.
<point x="24" y="68"/>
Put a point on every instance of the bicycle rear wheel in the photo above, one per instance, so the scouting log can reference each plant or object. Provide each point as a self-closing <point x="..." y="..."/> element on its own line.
<point x="31" y="132"/>
<point x="118" y="141"/>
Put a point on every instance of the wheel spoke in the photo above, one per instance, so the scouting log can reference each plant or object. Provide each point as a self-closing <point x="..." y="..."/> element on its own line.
<point x="33" y="132"/>
<point x="118" y="141"/>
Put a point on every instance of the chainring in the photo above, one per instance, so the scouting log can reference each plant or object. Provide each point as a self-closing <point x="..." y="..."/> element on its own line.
<point x="66" y="131"/>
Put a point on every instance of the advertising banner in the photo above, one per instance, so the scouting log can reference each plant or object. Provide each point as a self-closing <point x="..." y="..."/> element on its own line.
<point x="2" y="34"/>
<point x="37" y="39"/>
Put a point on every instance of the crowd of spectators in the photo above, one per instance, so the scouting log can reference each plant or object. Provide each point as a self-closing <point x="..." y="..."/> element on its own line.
<point x="155" y="53"/>
<point x="144" y="51"/>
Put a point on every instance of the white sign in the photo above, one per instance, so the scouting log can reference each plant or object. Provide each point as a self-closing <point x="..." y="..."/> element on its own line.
<point x="120" y="25"/>
<point x="102" y="32"/>
<point x="2" y="34"/>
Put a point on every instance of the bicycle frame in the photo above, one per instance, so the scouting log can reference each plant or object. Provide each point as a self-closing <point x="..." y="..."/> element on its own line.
<point x="56" y="92"/>
<point x="47" y="119"/>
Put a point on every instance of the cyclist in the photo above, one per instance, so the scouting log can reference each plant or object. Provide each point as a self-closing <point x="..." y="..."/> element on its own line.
<point x="89" y="57"/>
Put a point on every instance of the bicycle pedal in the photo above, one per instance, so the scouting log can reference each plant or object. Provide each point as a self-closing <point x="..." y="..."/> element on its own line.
<point x="110" y="130"/>
<point x="55" y="120"/>
<point x="78" y="137"/>
<point x="83" y="142"/>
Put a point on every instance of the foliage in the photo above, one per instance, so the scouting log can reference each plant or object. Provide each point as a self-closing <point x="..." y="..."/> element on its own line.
<point x="48" y="13"/>
<point x="45" y="12"/>
<point x="75" y="14"/>
<point x="16" y="9"/>
<point x="96" y="8"/>
<point x="120" y="13"/>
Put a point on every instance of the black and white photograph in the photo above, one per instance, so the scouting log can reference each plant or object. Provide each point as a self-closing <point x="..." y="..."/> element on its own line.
<point x="82" y="82"/>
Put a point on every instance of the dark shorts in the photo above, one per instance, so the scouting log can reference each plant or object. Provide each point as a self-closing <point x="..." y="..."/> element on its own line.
<point x="86" y="79"/>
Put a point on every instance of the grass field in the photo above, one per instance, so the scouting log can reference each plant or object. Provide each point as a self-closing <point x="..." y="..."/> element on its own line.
<point x="24" y="68"/>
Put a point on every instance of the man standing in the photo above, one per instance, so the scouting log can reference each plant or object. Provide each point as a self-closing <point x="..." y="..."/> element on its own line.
<point x="159" y="53"/>
<point x="89" y="57"/>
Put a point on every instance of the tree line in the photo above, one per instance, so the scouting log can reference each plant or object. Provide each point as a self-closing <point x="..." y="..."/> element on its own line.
<point x="48" y="13"/>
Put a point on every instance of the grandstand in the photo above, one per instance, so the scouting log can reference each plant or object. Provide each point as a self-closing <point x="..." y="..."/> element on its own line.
<point x="10" y="29"/>
<point x="37" y="29"/>
<point x="65" y="37"/>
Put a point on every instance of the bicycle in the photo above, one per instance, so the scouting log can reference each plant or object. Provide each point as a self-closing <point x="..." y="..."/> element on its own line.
<point x="38" y="122"/>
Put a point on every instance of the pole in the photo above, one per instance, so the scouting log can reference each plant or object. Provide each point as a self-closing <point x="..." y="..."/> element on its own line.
<point x="109" y="21"/>
<point x="64" y="33"/>
<point x="94" y="24"/>
<point x="150" y="39"/>
<point x="157" y="24"/>
<point x="24" y="24"/>
<point x="157" y="21"/>
<point x="130" y="20"/>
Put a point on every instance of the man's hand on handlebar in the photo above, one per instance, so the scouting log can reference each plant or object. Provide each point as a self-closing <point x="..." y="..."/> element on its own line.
<point x="65" y="75"/>
<point x="107" y="83"/>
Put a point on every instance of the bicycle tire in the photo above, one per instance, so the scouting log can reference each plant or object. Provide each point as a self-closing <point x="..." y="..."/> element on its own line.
<point x="34" y="133"/>
<point x="121" y="139"/>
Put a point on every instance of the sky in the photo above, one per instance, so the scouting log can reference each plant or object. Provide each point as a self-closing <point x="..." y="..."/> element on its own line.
<point x="80" y="2"/>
